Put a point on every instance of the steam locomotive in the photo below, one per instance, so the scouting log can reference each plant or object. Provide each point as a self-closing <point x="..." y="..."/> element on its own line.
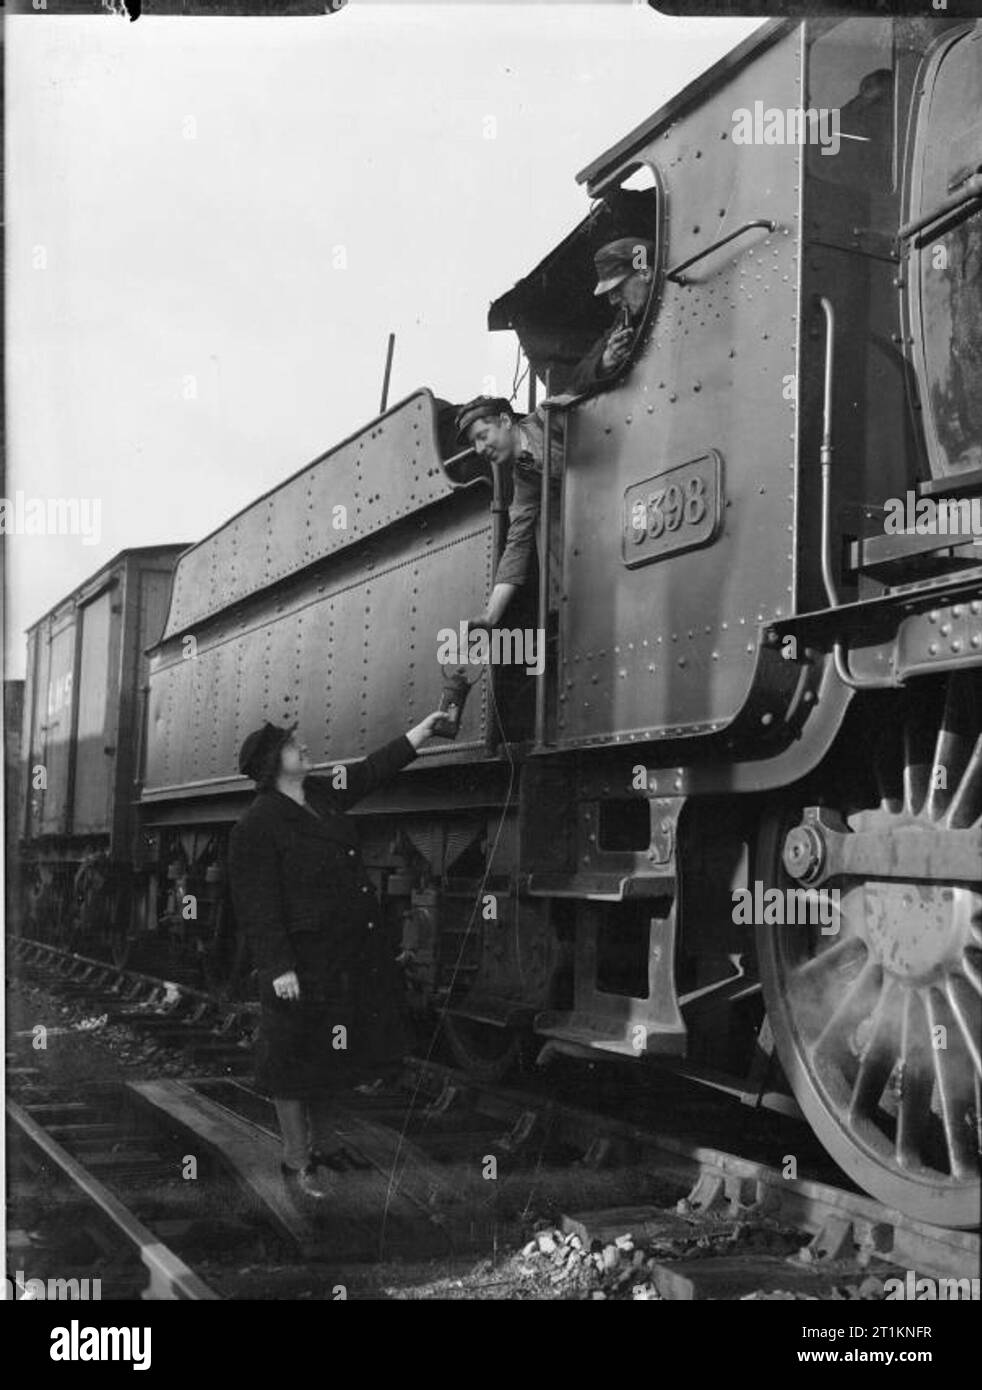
<point x="758" y="691"/>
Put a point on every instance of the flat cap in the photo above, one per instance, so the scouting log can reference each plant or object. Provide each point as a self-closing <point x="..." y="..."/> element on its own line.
<point x="480" y="408"/>
<point x="619" y="259"/>
<point x="259" y="746"/>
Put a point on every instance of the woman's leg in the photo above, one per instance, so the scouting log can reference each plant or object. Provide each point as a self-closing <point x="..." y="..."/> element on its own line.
<point x="292" y="1117"/>
<point x="321" y="1113"/>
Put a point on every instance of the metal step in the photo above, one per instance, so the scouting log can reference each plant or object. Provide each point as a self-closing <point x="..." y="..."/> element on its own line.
<point x="598" y="1033"/>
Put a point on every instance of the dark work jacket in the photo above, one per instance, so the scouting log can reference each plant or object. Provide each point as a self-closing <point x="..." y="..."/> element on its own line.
<point x="297" y="880"/>
<point x="590" y="372"/>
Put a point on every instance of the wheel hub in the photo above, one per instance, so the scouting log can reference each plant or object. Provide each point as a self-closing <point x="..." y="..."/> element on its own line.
<point x="804" y="853"/>
<point x="914" y="930"/>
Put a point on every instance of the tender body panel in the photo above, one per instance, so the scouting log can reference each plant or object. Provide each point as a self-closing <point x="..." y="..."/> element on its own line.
<point x="348" y="650"/>
<point x="387" y="471"/>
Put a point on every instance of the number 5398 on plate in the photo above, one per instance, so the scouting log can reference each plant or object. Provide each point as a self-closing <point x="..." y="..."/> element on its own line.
<point x="675" y="510"/>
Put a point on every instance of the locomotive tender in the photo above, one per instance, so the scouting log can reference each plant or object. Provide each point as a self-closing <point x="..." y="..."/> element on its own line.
<point x="755" y="685"/>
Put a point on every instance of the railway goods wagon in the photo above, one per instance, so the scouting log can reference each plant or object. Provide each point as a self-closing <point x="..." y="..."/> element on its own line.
<point x="13" y="721"/>
<point x="761" y="696"/>
<point x="82" y="745"/>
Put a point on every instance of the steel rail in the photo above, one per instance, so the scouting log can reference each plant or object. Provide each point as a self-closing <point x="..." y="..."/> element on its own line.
<point x="170" y="1278"/>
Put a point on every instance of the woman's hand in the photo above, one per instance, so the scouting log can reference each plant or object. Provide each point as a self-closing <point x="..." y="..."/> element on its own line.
<point x="423" y="731"/>
<point x="287" y="986"/>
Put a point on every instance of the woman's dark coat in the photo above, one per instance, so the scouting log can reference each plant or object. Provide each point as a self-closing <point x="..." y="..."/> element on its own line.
<point x="303" y="898"/>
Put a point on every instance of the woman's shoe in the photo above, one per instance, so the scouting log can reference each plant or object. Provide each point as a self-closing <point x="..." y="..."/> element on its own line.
<point x="304" y="1181"/>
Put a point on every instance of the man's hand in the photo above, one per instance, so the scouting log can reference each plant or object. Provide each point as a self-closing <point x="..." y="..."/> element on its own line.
<point x="423" y="731"/>
<point x="501" y="596"/>
<point x="287" y="986"/>
<point x="617" y="349"/>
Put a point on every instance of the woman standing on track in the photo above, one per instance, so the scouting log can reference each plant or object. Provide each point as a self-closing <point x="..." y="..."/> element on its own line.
<point x="301" y="894"/>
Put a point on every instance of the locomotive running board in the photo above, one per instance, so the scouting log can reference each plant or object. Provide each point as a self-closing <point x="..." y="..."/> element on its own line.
<point x="619" y="1024"/>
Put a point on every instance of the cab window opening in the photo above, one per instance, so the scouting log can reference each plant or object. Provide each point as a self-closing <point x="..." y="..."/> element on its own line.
<point x="555" y="311"/>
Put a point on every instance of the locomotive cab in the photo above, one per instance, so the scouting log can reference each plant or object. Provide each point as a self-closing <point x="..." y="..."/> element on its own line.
<point x="558" y="318"/>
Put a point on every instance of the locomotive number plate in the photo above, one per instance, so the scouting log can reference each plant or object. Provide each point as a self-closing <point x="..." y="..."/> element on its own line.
<point x="675" y="510"/>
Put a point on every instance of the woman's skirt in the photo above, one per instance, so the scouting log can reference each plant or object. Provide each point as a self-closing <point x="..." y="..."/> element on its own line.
<point x="337" y="1034"/>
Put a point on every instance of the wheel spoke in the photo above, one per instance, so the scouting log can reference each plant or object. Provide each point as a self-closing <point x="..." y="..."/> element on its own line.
<point x="916" y="1084"/>
<point x="952" y="748"/>
<point x="916" y="766"/>
<point x="837" y="1045"/>
<point x="966" y="803"/>
<point x="955" y="1088"/>
<point x="834" y="960"/>
<point x="879" y="1055"/>
<point x="972" y="974"/>
<point x="966" y="1013"/>
<point x="825" y="976"/>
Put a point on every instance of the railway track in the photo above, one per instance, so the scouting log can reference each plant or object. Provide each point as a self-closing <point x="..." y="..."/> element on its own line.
<point x="33" y="1135"/>
<point x="206" y="1028"/>
<point x="843" y="1225"/>
<point x="457" y="1167"/>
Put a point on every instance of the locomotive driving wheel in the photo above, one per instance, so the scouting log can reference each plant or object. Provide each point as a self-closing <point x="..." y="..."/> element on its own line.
<point x="877" y="1011"/>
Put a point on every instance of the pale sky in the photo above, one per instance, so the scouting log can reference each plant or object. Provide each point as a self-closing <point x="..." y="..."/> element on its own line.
<point x="213" y="225"/>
